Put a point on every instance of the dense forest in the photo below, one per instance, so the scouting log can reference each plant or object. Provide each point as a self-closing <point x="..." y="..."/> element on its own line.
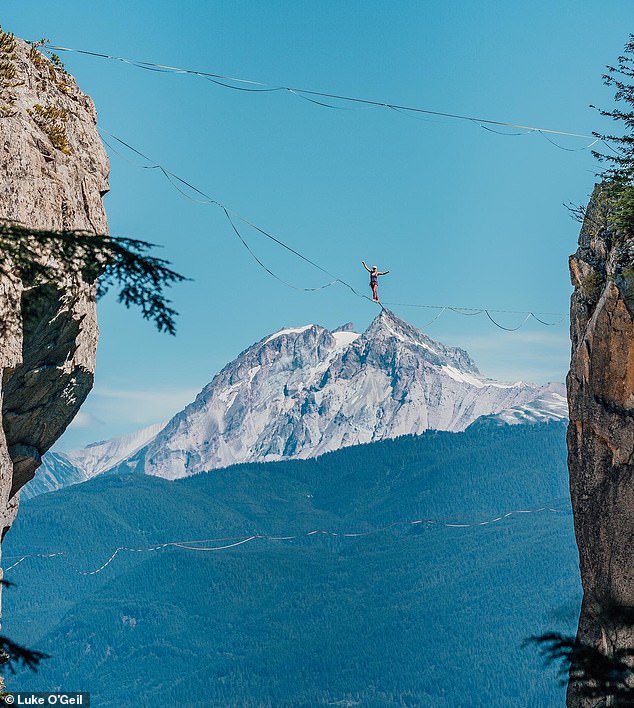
<point x="412" y="615"/>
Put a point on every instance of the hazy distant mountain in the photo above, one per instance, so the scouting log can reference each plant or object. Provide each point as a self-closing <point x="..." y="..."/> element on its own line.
<point x="551" y="404"/>
<point x="59" y="469"/>
<point x="304" y="391"/>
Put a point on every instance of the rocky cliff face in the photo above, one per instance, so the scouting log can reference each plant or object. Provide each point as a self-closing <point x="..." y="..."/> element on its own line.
<point x="53" y="175"/>
<point x="601" y="430"/>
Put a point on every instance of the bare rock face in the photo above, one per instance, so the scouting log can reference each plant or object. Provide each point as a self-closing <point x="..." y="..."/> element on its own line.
<point x="53" y="175"/>
<point x="601" y="430"/>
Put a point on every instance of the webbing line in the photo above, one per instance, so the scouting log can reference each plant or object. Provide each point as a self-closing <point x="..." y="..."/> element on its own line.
<point x="305" y="93"/>
<point x="172" y="177"/>
<point x="235" y="541"/>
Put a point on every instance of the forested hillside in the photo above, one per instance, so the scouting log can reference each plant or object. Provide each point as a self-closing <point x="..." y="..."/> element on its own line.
<point x="415" y="614"/>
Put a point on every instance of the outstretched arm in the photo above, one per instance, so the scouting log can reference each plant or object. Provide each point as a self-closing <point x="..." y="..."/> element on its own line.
<point x="366" y="267"/>
<point x="385" y="272"/>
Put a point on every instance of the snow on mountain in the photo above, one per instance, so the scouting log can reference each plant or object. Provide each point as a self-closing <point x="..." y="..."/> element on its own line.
<point x="60" y="469"/>
<point x="304" y="391"/>
<point x="551" y="404"/>
<point x="101" y="456"/>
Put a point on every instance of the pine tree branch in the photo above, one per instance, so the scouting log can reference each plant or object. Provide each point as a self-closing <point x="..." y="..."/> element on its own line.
<point x="41" y="256"/>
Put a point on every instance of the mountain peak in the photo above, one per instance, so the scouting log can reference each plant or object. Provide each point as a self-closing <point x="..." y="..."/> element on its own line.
<point x="304" y="390"/>
<point x="348" y="327"/>
<point x="388" y="327"/>
<point x="387" y="322"/>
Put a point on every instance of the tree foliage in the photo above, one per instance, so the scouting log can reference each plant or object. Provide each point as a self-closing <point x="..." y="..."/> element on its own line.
<point x="13" y="655"/>
<point x="590" y="672"/>
<point x="618" y="175"/>
<point x="41" y="256"/>
<point x="418" y="615"/>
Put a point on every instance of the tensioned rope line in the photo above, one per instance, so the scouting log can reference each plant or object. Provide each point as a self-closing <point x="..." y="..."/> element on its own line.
<point x="262" y="87"/>
<point x="235" y="541"/>
<point x="266" y="268"/>
<point x="173" y="179"/>
<point x="177" y="181"/>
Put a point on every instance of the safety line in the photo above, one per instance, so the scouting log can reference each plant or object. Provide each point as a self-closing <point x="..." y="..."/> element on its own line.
<point x="549" y="324"/>
<point x="216" y="548"/>
<point x="266" y="268"/>
<point x="33" y="555"/>
<point x="498" y="132"/>
<point x="471" y="311"/>
<point x="258" y="86"/>
<point x="235" y="541"/>
<point x="172" y="178"/>
<point x="420" y="118"/>
<point x="561" y="147"/>
<point x="614" y="150"/>
<point x="466" y="311"/>
<point x="508" y="329"/>
<point x="431" y="322"/>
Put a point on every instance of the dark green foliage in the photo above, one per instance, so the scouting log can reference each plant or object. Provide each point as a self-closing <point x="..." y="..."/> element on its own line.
<point x="38" y="59"/>
<point x="618" y="177"/>
<point x="7" y="43"/>
<point x="50" y="69"/>
<point x="592" y="285"/>
<point x="8" y="73"/>
<point x="627" y="276"/>
<point x="40" y="257"/>
<point x="52" y="122"/>
<point x="410" y="615"/>
<point x="57" y="62"/>
<point x="12" y="654"/>
<point x="590" y="672"/>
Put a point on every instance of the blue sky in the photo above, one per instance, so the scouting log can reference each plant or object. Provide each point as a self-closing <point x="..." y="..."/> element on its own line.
<point x="459" y="215"/>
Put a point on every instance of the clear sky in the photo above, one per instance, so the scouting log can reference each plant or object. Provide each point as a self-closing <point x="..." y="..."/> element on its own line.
<point x="459" y="215"/>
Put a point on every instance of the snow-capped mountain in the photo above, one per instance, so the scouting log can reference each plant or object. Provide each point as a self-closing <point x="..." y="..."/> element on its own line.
<point x="59" y="469"/>
<point x="551" y="404"/>
<point x="304" y="391"/>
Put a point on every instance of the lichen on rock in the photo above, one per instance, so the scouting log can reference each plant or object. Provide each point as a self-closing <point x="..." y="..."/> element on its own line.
<point x="50" y="179"/>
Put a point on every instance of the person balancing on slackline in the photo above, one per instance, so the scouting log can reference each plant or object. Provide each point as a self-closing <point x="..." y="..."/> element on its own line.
<point x="374" y="279"/>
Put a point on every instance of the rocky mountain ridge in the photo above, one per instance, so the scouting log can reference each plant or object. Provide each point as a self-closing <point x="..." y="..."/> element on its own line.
<point x="304" y="391"/>
<point x="61" y="469"/>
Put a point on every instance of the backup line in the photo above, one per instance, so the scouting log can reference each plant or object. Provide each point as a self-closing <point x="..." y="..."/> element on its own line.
<point x="235" y="541"/>
<point x="248" y="85"/>
<point x="231" y="215"/>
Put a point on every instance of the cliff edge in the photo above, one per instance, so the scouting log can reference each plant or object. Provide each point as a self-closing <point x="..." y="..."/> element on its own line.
<point x="601" y="429"/>
<point x="53" y="175"/>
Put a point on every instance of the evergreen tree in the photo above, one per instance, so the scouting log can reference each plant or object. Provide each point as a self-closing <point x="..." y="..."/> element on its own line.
<point x="591" y="672"/>
<point x="57" y="258"/>
<point x="618" y="175"/>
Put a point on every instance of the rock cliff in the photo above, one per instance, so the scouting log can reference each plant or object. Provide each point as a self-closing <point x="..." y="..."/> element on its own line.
<point x="53" y="175"/>
<point x="601" y="429"/>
